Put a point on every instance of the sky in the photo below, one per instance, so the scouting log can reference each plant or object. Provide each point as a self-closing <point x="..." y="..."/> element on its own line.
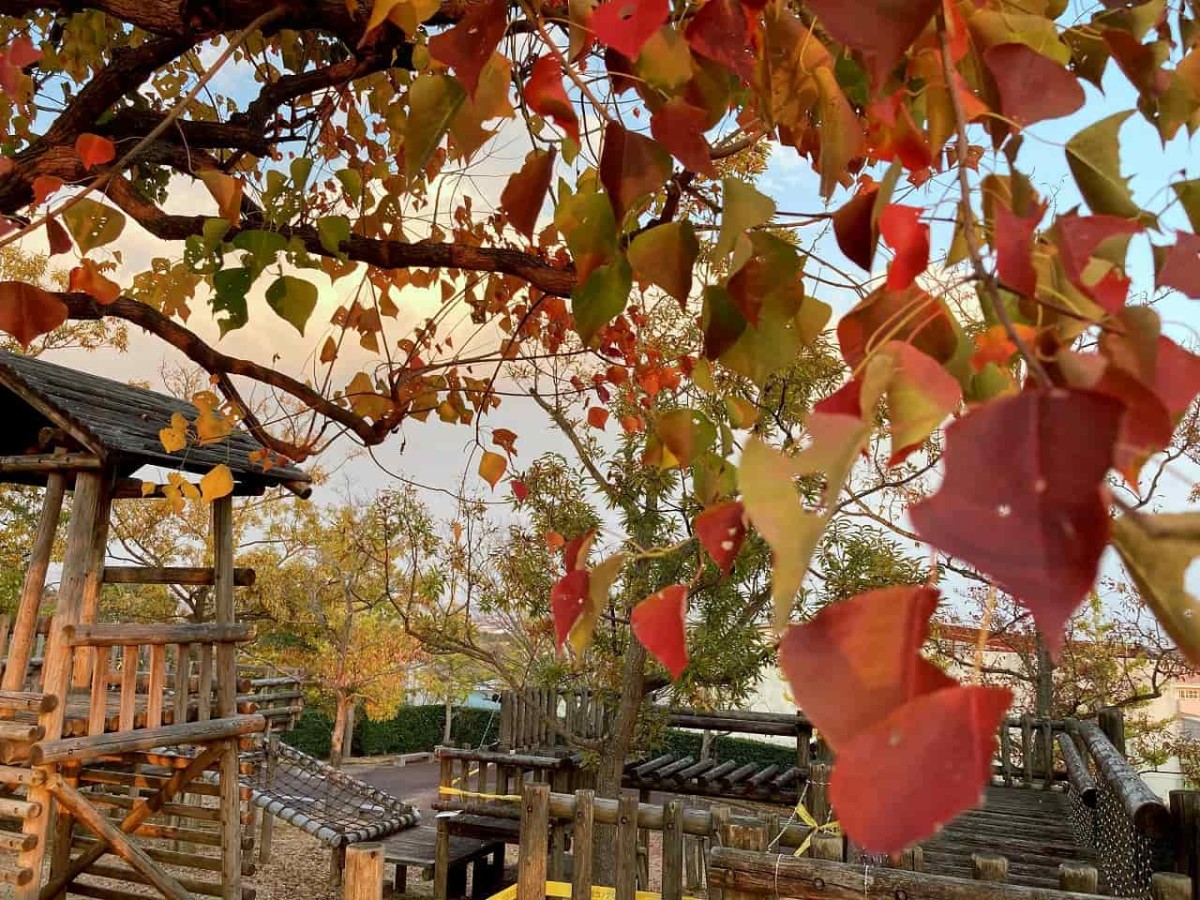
<point x="442" y="456"/>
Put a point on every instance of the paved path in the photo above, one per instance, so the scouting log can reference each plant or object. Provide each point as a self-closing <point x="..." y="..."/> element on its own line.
<point x="416" y="783"/>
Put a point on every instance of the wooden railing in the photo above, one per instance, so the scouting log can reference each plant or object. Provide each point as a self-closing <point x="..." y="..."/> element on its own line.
<point x="1027" y="752"/>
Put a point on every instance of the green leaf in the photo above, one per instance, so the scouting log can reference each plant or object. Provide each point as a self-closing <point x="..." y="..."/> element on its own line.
<point x="229" y="296"/>
<point x="744" y="208"/>
<point x="587" y="224"/>
<point x="601" y="298"/>
<point x="93" y="224"/>
<point x="1188" y="193"/>
<point x="1095" y="161"/>
<point x="301" y="168"/>
<point x="334" y="231"/>
<point x="293" y="299"/>
<point x="263" y="246"/>
<point x="351" y="183"/>
<point x="432" y="102"/>
<point x="664" y="256"/>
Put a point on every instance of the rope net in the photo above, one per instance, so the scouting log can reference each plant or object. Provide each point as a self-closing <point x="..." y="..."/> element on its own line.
<point x="327" y="803"/>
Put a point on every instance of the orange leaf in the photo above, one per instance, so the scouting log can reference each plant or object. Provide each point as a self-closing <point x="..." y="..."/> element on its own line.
<point x="43" y="187"/>
<point x="658" y="623"/>
<point x="27" y="311"/>
<point x="328" y="350"/>
<point x="995" y="346"/>
<point x="598" y="417"/>
<point x="505" y="439"/>
<point x="492" y="467"/>
<point x="94" y="150"/>
<point x="226" y="190"/>
<point x="88" y="279"/>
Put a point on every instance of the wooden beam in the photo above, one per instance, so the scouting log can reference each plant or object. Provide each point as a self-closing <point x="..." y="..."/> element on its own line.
<point x="49" y="462"/>
<point x="82" y="749"/>
<point x="151" y="635"/>
<point x="131" y="489"/>
<point x="92" y="819"/>
<point x="189" y="575"/>
<point x="226" y="663"/>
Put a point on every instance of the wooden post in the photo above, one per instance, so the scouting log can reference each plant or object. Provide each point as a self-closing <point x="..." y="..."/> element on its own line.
<point x="1170" y="886"/>
<point x="1185" y="828"/>
<point x="25" y="627"/>
<point x="441" y="860"/>
<point x="337" y="866"/>
<point x="626" y="868"/>
<point x="1112" y="722"/>
<point x="803" y="742"/>
<point x="531" y="860"/>
<point x="226" y="663"/>
<point x="827" y="846"/>
<point x="581" y="873"/>
<point x="364" y="872"/>
<point x="720" y="820"/>
<point x="643" y="847"/>
<point x="912" y="859"/>
<point x="1006" y="754"/>
<point x="818" y="791"/>
<point x="1027" y="748"/>
<point x="989" y="867"/>
<point x="1078" y="877"/>
<point x="672" y="851"/>
<point x="56" y="669"/>
<point x="93" y="584"/>
<point x="745" y="837"/>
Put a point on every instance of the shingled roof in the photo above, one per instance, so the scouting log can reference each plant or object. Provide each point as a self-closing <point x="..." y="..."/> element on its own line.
<point x="118" y="422"/>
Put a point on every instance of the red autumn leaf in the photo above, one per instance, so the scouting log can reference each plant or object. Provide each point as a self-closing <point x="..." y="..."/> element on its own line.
<point x="1014" y="248"/>
<point x="546" y="96"/>
<point x="679" y="127"/>
<point x="506" y="440"/>
<point x="1032" y="87"/>
<point x="43" y="187"/>
<point x="657" y="622"/>
<point x="94" y="150"/>
<point x="855" y="227"/>
<point x="597" y="417"/>
<point x="720" y="31"/>
<point x="908" y="236"/>
<point x="911" y="315"/>
<point x="845" y="401"/>
<point x="1023" y="501"/>
<point x="58" y="238"/>
<point x="633" y="424"/>
<point x="626" y="25"/>
<point x="567" y="599"/>
<point x="892" y="133"/>
<point x="1077" y="238"/>
<point x="520" y="490"/>
<point x="858" y="660"/>
<point x="1180" y="267"/>
<point x="721" y="529"/>
<point x="1146" y="425"/>
<point x="949" y="736"/>
<point x="525" y="193"/>
<point x="15" y="57"/>
<point x="467" y="47"/>
<point x="631" y="167"/>
<point x="575" y="552"/>
<point x="88" y="279"/>
<point x="27" y="311"/>
<point x="880" y="30"/>
<point x="1176" y="377"/>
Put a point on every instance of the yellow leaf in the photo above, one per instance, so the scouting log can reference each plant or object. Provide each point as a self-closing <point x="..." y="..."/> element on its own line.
<point x="174" y="498"/>
<point x="363" y="399"/>
<point x="600" y="582"/>
<point x="216" y="484"/>
<point x="148" y="488"/>
<point x="226" y="190"/>
<point x="492" y="467"/>
<point x="174" y="437"/>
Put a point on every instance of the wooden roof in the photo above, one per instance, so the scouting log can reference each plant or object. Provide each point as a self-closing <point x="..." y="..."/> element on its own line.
<point x="118" y="422"/>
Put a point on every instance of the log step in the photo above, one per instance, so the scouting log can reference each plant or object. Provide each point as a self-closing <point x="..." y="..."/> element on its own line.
<point x="27" y="701"/>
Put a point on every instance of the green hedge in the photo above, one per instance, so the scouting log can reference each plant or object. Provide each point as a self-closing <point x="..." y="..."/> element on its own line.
<point x="413" y="729"/>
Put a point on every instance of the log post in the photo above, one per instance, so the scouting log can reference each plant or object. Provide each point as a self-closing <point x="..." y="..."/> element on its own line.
<point x="818" y="791"/>
<point x="1078" y="877"/>
<point x="1185" y="828"/>
<point x="911" y="859"/>
<point x="364" y="872"/>
<point x="1112" y="722"/>
<point x="672" y="851"/>
<point x="441" y="860"/>
<point x="582" y="847"/>
<point x="719" y="819"/>
<point x="827" y="846"/>
<point x="803" y="742"/>
<point x="625" y="872"/>
<point x="226" y="663"/>
<point x="1027" y="748"/>
<point x="531" y="860"/>
<point x="56" y="670"/>
<point x="25" y="627"/>
<point x="989" y="867"/>
<point x="1170" y="886"/>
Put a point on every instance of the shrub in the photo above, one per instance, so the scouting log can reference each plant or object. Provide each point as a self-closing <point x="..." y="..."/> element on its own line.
<point x="414" y="729"/>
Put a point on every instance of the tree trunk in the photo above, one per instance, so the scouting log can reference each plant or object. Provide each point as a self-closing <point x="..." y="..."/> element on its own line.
<point x="337" y="739"/>
<point x="1045" y="679"/>
<point x="448" y="723"/>
<point x="348" y="740"/>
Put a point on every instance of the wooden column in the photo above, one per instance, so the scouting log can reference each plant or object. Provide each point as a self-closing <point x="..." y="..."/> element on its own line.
<point x="531" y="860"/>
<point x="818" y="791"/>
<point x="25" y="626"/>
<point x="803" y="742"/>
<point x="672" y="851"/>
<point x="582" y="847"/>
<point x="93" y="584"/>
<point x="625" y="870"/>
<point x="56" y="670"/>
<point x="1112" y="722"/>
<point x="364" y="872"/>
<point x="226" y="665"/>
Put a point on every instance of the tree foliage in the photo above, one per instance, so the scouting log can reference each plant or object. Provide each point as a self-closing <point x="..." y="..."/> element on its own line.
<point x="345" y="146"/>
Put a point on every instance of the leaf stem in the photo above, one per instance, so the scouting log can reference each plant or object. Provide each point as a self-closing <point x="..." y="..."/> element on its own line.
<point x="969" y="223"/>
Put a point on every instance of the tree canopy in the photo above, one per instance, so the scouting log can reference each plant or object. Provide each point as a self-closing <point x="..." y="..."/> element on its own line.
<point x="632" y="264"/>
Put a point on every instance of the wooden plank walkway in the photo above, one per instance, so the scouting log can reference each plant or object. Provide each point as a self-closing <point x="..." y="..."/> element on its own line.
<point x="1030" y="827"/>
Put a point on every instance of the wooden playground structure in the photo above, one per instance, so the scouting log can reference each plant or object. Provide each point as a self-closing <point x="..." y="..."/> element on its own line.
<point x="1066" y="816"/>
<point x="125" y="740"/>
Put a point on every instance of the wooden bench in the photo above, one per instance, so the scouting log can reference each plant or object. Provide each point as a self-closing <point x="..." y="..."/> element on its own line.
<point x="418" y="847"/>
